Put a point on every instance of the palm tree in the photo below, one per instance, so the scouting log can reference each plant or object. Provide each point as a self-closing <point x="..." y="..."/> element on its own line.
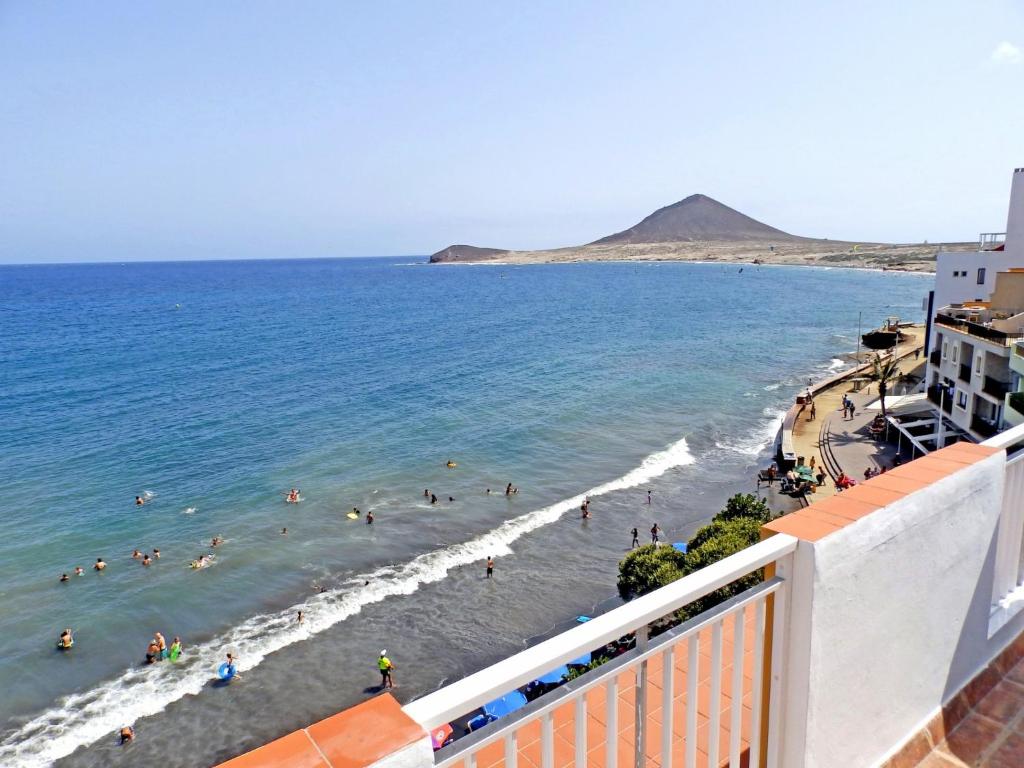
<point x="884" y="372"/>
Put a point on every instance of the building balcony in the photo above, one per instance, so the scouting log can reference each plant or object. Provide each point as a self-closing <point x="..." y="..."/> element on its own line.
<point x="833" y="666"/>
<point x="1013" y="408"/>
<point x="934" y="357"/>
<point x="995" y="387"/>
<point x="977" y="329"/>
<point x="983" y="427"/>
<point x="965" y="373"/>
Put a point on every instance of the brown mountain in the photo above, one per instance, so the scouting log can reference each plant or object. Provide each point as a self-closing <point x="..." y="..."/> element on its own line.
<point x="697" y="218"/>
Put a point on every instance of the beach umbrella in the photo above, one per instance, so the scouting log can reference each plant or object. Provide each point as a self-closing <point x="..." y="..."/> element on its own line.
<point x="440" y="735"/>
<point x="507" y="704"/>
<point x="680" y="545"/>
<point x="554" y="677"/>
<point x="581" y="661"/>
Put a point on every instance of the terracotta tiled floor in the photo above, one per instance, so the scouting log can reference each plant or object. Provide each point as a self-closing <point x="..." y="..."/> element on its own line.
<point x="991" y="735"/>
<point x="528" y="736"/>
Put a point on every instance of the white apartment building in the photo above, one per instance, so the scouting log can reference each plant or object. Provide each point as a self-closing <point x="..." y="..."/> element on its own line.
<point x="976" y="315"/>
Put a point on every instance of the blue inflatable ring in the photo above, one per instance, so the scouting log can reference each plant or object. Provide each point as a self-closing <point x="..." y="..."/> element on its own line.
<point x="226" y="671"/>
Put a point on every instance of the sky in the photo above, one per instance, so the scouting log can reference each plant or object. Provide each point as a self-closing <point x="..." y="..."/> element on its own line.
<point x="207" y="130"/>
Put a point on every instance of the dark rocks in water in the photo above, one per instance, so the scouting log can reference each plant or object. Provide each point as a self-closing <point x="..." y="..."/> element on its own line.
<point x="698" y="218"/>
<point x="466" y="253"/>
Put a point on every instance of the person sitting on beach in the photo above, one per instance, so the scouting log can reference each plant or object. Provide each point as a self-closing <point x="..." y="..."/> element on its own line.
<point x="139" y="501"/>
<point x="869" y="473"/>
<point x="146" y="560"/>
<point x="136" y="554"/>
<point x="820" y="477"/>
<point x="64" y="577"/>
<point x="66" y="639"/>
<point x="79" y="570"/>
<point x="127" y="734"/>
<point x="100" y="565"/>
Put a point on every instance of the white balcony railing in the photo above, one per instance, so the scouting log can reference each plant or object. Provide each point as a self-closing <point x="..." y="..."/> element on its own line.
<point x="1008" y="580"/>
<point x="708" y="685"/>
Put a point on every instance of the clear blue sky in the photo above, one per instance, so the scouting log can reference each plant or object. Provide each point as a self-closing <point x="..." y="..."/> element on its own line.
<point x="188" y="130"/>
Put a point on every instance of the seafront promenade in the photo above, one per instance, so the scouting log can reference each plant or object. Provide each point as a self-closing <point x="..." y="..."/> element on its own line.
<point x="843" y="444"/>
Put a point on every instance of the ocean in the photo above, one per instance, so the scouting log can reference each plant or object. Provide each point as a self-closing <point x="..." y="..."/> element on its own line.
<point x="212" y="388"/>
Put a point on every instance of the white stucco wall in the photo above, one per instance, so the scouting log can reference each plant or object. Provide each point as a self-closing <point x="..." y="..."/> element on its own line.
<point x="956" y="290"/>
<point x="419" y="754"/>
<point x="893" y="621"/>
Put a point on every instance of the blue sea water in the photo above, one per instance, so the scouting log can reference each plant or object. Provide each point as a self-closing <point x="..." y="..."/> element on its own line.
<point x="215" y="387"/>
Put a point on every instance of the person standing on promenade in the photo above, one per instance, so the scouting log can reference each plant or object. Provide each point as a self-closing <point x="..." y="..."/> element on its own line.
<point x="655" y="530"/>
<point x="490" y="566"/>
<point x="636" y="539"/>
<point x="385" y="666"/>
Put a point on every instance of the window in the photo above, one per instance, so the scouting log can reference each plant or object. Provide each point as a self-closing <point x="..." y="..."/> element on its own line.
<point x="945" y="350"/>
<point x="977" y="364"/>
<point x="961" y="400"/>
<point x="981" y="275"/>
<point x="956" y="348"/>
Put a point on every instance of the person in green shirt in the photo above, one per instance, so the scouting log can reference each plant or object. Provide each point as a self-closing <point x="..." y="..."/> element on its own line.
<point x="385" y="666"/>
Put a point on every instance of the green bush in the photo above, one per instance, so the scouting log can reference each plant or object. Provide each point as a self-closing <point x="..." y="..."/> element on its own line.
<point x="734" y="528"/>
<point x="648" y="568"/>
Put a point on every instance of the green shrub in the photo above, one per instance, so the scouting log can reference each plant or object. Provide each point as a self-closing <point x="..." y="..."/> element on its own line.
<point x="734" y="528"/>
<point x="645" y="569"/>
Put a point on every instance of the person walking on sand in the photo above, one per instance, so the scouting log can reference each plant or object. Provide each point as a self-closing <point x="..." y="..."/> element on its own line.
<point x="386" y="667"/>
<point x="490" y="567"/>
<point x="636" y="539"/>
<point x="649" y="497"/>
<point x="655" y="530"/>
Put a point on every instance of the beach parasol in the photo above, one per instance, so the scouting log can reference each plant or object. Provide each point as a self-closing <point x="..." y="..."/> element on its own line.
<point x="581" y="661"/>
<point x="554" y="677"/>
<point x="506" y="705"/>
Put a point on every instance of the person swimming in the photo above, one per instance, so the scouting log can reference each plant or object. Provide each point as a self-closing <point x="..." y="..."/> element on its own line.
<point x="369" y="518"/>
<point x="139" y="501"/>
<point x="426" y="493"/>
<point x="67" y="639"/>
<point x="293" y="496"/>
<point x="100" y="565"/>
<point x="146" y="560"/>
<point x="79" y="570"/>
<point x="451" y="464"/>
<point x="216" y="541"/>
<point x="156" y="553"/>
<point x="64" y="577"/>
<point x="136" y="554"/>
<point x="433" y="499"/>
<point x="127" y="735"/>
<point x="284" y="531"/>
<point x="175" y="649"/>
<point x="508" y="489"/>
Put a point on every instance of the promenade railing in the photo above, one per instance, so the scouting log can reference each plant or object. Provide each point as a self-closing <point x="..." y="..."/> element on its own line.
<point x="1008" y="579"/>
<point x="722" y="668"/>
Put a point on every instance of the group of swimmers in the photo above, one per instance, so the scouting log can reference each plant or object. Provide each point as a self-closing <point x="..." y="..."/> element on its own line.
<point x="157" y="650"/>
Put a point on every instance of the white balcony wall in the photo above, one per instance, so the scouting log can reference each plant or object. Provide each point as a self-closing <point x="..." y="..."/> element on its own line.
<point x="889" y="618"/>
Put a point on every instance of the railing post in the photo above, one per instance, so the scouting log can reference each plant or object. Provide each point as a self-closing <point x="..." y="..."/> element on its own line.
<point x="640" y="705"/>
<point x="775" y="649"/>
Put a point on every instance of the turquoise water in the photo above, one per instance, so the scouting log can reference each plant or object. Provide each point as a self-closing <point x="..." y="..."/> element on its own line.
<point x="216" y="387"/>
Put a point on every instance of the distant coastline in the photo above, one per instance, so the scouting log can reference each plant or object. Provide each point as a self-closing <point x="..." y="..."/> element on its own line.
<point x="699" y="228"/>
<point x="918" y="258"/>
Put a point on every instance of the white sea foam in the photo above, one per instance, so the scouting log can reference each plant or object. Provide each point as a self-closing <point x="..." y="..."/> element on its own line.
<point x="762" y="436"/>
<point x="836" y="364"/>
<point x="82" y="718"/>
<point x="189" y="511"/>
